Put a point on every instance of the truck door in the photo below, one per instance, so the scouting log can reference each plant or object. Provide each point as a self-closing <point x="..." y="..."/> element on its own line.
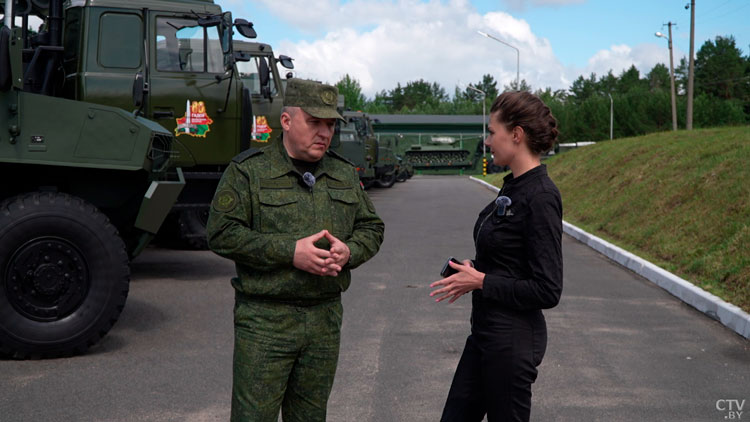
<point x="188" y="89"/>
<point x="267" y="101"/>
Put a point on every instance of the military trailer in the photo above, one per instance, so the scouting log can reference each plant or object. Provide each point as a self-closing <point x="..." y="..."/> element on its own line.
<point x="183" y="52"/>
<point x="86" y="186"/>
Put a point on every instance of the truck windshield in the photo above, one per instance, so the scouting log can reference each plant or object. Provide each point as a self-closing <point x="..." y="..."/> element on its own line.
<point x="183" y="46"/>
<point x="250" y="74"/>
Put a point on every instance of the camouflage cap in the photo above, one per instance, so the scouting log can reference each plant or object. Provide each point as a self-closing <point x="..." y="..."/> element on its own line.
<point x="316" y="99"/>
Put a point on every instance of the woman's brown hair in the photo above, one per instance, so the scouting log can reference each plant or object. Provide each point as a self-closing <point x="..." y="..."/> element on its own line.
<point x="521" y="108"/>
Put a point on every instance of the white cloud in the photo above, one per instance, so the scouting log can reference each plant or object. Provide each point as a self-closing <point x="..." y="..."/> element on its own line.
<point x="522" y="4"/>
<point x="620" y="57"/>
<point x="385" y="42"/>
<point x="407" y="40"/>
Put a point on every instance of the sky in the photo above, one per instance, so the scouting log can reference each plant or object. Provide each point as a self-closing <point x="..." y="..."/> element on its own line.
<point x="384" y="42"/>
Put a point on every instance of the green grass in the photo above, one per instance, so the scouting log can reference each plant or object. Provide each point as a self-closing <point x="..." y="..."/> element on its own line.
<point x="678" y="199"/>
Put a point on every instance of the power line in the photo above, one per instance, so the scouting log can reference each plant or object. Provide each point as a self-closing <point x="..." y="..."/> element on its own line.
<point x="731" y="12"/>
<point x="715" y="8"/>
<point x="741" y="78"/>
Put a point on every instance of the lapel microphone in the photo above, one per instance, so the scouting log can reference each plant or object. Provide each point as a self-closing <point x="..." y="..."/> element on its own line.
<point x="309" y="179"/>
<point x="502" y="202"/>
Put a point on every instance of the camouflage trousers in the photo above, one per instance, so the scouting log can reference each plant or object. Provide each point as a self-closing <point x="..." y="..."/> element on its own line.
<point x="285" y="358"/>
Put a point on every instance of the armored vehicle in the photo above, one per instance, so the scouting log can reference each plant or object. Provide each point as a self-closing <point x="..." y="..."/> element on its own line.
<point x="86" y="186"/>
<point x="446" y="154"/>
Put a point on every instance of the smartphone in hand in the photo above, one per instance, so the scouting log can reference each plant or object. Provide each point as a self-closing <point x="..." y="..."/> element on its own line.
<point x="447" y="270"/>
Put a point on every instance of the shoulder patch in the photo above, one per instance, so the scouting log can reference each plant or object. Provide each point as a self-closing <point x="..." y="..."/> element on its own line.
<point x="340" y="157"/>
<point x="226" y="200"/>
<point x="244" y="155"/>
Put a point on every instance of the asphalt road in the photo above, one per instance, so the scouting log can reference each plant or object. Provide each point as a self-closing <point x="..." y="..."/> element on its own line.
<point x="620" y="349"/>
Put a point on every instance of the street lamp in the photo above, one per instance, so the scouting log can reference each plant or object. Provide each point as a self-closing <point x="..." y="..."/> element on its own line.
<point x="484" y="120"/>
<point x="671" y="76"/>
<point x="518" y="57"/>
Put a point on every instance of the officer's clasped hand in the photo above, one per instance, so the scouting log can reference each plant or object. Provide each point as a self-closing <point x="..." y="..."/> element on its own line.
<point x="310" y="258"/>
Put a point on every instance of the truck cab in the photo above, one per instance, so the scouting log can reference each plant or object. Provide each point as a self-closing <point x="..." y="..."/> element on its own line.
<point x="182" y="52"/>
<point x="259" y="72"/>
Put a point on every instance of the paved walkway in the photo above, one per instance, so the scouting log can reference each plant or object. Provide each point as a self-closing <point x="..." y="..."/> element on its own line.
<point x="620" y="349"/>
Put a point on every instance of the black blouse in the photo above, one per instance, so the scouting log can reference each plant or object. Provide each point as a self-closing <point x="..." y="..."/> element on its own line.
<point x="521" y="251"/>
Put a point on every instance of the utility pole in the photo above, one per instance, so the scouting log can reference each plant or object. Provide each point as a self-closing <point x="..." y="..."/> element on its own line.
<point x="691" y="68"/>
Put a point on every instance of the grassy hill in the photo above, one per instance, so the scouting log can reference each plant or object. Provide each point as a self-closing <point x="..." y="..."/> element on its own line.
<point x="678" y="199"/>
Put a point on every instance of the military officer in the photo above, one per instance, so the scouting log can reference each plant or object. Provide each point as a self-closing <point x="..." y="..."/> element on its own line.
<point x="295" y="220"/>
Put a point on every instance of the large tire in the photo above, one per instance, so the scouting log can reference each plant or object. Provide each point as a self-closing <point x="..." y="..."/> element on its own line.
<point x="368" y="183"/>
<point x="386" y="180"/>
<point x="64" y="272"/>
<point x="191" y="226"/>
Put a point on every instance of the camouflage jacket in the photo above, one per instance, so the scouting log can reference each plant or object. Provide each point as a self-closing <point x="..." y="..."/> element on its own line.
<point x="261" y="208"/>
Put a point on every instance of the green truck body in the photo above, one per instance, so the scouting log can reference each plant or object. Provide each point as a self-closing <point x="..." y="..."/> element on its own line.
<point x="382" y="166"/>
<point x="183" y="51"/>
<point x="86" y="188"/>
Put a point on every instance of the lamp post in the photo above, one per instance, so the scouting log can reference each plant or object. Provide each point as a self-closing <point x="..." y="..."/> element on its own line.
<point x="484" y="120"/>
<point x="671" y="75"/>
<point x="484" y="125"/>
<point x="518" y="57"/>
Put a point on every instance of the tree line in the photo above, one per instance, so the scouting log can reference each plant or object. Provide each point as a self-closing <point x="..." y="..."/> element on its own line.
<point x="642" y="103"/>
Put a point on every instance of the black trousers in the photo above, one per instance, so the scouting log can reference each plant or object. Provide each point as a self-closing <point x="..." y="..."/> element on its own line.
<point x="497" y="367"/>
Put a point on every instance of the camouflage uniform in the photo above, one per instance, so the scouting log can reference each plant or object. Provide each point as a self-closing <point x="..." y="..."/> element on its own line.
<point x="287" y="321"/>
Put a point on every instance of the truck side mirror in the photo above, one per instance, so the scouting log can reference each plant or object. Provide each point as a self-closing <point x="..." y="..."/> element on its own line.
<point x="336" y="138"/>
<point x="286" y="61"/>
<point x="245" y="28"/>
<point x="5" y="70"/>
<point x="138" y="92"/>
<point x="265" y="79"/>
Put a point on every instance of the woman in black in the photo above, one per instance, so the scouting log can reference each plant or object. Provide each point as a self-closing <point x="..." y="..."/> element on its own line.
<point x="517" y="271"/>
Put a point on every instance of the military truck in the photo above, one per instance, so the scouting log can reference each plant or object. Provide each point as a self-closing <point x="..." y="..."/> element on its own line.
<point x="86" y="186"/>
<point x="257" y="66"/>
<point x="362" y="151"/>
<point x="182" y="50"/>
<point x="386" y="165"/>
<point x="396" y="144"/>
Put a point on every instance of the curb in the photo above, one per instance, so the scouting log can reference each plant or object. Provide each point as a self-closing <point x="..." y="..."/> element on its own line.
<point x="715" y="308"/>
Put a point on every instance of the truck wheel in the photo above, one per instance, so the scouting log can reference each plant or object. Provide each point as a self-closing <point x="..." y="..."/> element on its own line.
<point x="64" y="272"/>
<point x="387" y="180"/>
<point x="402" y="176"/>
<point x="191" y="224"/>
<point x="368" y="183"/>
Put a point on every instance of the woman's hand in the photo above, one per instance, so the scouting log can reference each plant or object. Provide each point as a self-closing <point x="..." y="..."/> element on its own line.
<point x="465" y="280"/>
